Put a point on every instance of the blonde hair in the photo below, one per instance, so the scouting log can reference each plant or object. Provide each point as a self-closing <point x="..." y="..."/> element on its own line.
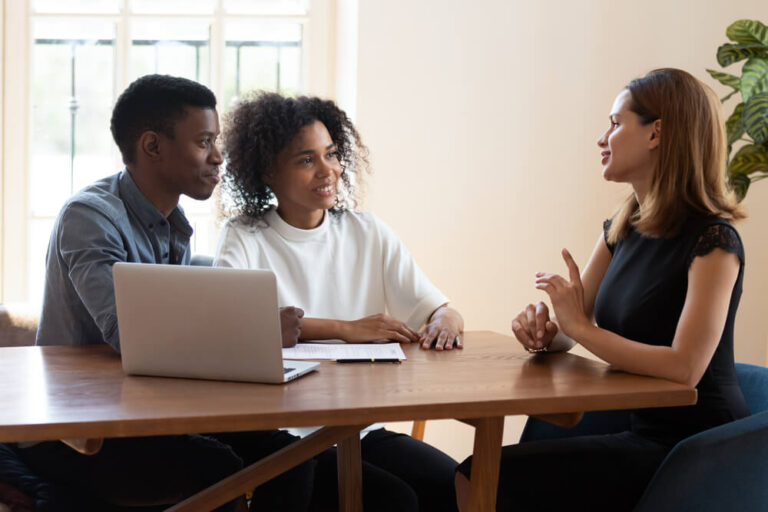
<point x="689" y="176"/>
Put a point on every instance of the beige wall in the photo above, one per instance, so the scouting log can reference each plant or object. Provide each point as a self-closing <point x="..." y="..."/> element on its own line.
<point x="482" y="118"/>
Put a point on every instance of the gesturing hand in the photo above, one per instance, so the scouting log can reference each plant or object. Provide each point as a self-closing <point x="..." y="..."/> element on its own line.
<point x="291" y="321"/>
<point x="533" y="328"/>
<point x="567" y="297"/>
<point x="378" y="327"/>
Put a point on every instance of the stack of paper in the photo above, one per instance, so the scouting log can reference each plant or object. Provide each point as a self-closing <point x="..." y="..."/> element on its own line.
<point x="347" y="351"/>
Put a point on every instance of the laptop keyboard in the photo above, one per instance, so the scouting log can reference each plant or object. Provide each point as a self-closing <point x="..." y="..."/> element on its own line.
<point x="286" y="370"/>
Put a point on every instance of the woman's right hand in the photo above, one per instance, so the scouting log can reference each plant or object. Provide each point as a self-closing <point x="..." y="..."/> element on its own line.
<point x="378" y="327"/>
<point x="533" y="328"/>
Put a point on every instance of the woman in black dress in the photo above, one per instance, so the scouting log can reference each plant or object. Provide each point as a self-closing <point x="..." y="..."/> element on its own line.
<point x="657" y="297"/>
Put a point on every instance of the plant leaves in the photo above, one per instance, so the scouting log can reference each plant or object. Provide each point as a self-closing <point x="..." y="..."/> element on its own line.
<point x="749" y="159"/>
<point x="727" y="96"/>
<point x="739" y="183"/>
<point x="733" y="126"/>
<point x="729" y="53"/>
<point x="747" y="32"/>
<point x="725" y="78"/>
<point x="755" y="117"/>
<point x="754" y="78"/>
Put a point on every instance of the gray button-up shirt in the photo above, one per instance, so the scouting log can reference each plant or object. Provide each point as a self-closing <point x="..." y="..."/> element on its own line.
<point x="106" y="222"/>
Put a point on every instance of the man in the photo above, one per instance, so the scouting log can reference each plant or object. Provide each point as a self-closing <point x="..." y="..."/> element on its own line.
<point x="166" y="129"/>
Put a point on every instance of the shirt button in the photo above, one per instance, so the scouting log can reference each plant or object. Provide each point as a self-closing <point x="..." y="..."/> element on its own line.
<point x="162" y="223"/>
<point x="151" y="226"/>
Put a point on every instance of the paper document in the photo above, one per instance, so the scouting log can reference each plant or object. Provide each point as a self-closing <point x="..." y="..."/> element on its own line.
<point x="345" y="351"/>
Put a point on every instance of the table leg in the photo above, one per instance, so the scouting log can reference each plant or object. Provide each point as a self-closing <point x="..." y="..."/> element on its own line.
<point x="350" y="474"/>
<point x="268" y="468"/>
<point x="485" y="463"/>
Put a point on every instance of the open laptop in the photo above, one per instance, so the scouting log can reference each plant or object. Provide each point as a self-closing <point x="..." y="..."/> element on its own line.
<point x="202" y="323"/>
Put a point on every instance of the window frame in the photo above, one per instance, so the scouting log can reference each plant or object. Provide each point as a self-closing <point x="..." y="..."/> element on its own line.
<point x="320" y="48"/>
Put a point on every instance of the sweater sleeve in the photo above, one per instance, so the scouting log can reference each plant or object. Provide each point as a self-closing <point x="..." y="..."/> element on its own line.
<point x="409" y="294"/>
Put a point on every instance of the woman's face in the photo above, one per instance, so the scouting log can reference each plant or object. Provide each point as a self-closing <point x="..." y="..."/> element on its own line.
<point x="305" y="177"/>
<point x="629" y="147"/>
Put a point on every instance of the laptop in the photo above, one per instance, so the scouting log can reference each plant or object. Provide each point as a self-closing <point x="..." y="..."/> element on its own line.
<point x="201" y="323"/>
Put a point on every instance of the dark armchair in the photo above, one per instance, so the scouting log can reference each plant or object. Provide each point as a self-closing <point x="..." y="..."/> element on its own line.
<point x="724" y="468"/>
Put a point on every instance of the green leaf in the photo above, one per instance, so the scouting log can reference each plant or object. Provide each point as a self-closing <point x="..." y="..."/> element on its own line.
<point x="729" y="53"/>
<point x="739" y="183"/>
<point x="749" y="159"/>
<point x="725" y="78"/>
<point x="755" y="117"/>
<point x="747" y="32"/>
<point x="733" y="126"/>
<point x="754" y="78"/>
<point x="728" y="96"/>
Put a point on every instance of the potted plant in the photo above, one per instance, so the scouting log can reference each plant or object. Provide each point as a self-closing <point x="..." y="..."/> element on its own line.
<point x="749" y="121"/>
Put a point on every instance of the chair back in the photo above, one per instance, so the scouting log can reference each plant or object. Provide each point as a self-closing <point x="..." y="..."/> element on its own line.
<point x="753" y="380"/>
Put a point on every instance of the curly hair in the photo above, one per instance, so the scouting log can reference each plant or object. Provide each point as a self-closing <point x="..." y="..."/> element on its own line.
<point x="261" y="126"/>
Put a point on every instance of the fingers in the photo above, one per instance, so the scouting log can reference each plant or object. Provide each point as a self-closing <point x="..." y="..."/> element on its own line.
<point x="443" y="339"/>
<point x="573" y="269"/>
<point x="428" y="337"/>
<point x="521" y="332"/>
<point x="398" y="337"/>
<point x="542" y="317"/>
<point x="299" y="312"/>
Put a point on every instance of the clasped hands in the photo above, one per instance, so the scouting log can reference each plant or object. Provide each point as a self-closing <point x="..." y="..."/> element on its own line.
<point x="534" y="328"/>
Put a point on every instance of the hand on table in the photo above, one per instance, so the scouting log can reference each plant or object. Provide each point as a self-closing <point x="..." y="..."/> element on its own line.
<point x="567" y="296"/>
<point x="533" y="328"/>
<point x="291" y="321"/>
<point x="378" y="327"/>
<point x="443" y="330"/>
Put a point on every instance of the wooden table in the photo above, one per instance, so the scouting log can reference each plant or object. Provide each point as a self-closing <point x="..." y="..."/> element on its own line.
<point x="50" y="393"/>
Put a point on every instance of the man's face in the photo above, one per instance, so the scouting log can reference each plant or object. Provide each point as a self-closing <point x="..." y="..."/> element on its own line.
<point x="191" y="159"/>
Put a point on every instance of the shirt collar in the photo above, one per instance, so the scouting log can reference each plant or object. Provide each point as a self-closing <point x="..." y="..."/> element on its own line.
<point x="146" y="211"/>
<point x="293" y="233"/>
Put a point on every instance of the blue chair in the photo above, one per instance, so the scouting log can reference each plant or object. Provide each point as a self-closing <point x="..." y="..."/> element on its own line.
<point x="720" y="469"/>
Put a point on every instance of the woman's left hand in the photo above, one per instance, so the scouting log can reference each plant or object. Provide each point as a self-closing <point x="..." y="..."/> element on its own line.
<point x="567" y="297"/>
<point x="444" y="330"/>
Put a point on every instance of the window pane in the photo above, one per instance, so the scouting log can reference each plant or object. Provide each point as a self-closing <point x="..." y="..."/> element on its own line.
<point x="265" y="6"/>
<point x="76" y="6"/>
<point x="179" y="48"/>
<point x="39" y="234"/>
<point x="72" y="91"/>
<point x="262" y="56"/>
<point x="173" y="6"/>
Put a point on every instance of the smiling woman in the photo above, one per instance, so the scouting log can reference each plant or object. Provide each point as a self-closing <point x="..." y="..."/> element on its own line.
<point x="346" y="269"/>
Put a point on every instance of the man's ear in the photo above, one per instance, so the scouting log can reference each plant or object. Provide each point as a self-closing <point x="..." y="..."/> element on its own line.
<point x="655" y="138"/>
<point x="149" y="145"/>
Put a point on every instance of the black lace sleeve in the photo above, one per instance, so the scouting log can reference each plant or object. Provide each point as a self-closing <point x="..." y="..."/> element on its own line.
<point x="606" y="227"/>
<point x="722" y="236"/>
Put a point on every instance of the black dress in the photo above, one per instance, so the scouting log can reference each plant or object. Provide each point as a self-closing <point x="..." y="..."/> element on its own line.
<point x="641" y="297"/>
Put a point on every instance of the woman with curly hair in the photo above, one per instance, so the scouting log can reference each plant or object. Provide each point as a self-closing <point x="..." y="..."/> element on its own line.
<point x="294" y="166"/>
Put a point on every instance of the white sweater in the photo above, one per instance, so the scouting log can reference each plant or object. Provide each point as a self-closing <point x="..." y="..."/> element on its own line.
<point x="351" y="266"/>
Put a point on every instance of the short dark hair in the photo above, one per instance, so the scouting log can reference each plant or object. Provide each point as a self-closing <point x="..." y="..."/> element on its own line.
<point x="262" y="125"/>
<point x="157" y="103"/>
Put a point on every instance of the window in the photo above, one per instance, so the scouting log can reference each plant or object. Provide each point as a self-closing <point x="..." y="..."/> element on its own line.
<point x="72" y="59"/>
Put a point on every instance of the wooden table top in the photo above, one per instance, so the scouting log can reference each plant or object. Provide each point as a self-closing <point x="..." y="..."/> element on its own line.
<point x="75" y="392"/>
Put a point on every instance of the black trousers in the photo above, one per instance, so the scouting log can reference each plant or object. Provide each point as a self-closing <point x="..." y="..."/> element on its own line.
<point x="596" y="473"/>
<point x="163" y="470"/>
<point x="400" y="474"/>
